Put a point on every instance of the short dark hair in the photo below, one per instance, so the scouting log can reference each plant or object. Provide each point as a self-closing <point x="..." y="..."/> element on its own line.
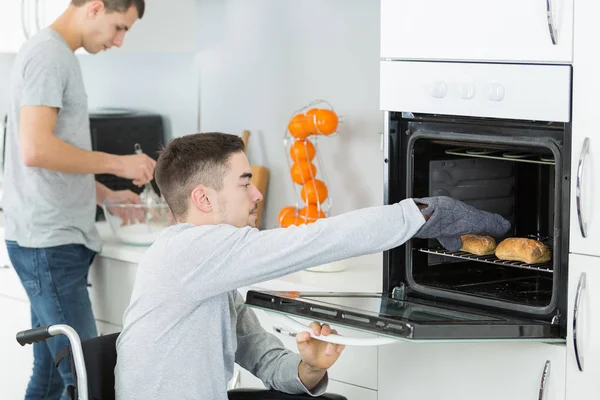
<point x="117" y="5"/>
<point x="191" y="160"/>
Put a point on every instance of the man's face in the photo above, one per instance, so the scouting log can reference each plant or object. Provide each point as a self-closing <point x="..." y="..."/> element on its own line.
<point x="237" y="201"/>
<point x="105" y="29"/>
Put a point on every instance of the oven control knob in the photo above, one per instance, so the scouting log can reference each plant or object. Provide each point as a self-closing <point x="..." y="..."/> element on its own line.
<point x="496" y="92"/>
<point x="467" y="91"/>
<point x="439" y="89"/>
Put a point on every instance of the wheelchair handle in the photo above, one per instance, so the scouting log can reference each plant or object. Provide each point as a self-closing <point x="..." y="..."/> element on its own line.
<point x="33" y="335"/>
<point x="44" y="332"/>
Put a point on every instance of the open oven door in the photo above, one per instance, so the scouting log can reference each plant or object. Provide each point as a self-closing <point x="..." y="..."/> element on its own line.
<point x="411" y="319"/>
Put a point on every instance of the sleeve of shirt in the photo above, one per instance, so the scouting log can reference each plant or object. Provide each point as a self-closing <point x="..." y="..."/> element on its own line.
<point x="44" y="80"/>
<point x="209" y="260"/>
<point x="265" y="356"/>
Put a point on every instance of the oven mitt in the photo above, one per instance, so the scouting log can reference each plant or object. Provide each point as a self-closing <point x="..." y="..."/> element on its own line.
<point x="450" y="218"/>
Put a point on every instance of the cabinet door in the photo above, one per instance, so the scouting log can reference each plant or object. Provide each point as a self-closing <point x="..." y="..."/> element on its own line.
<point x="508" y="30"/>
<point x="12" y="28"/>
<point x="583" y="346"/>
<point x="164" y="28"/>
<point x="111" y="286"/>
<point x="472" y="371"/>
<point x="10" y="284"/>
<point x="585" y="159"/>
<point x="16" y="362"/>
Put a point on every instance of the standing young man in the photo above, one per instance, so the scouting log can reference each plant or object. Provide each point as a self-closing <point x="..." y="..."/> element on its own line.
<point x="50" y="195"/>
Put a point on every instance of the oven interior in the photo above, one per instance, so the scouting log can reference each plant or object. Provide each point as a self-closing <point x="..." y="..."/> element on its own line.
<point x="516" y="173"/>
<point x="515" y="183"/>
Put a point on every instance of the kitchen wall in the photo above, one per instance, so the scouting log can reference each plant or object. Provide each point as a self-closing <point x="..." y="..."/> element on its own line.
<point x="167" y="85"/>
<point x="261" y="60"/>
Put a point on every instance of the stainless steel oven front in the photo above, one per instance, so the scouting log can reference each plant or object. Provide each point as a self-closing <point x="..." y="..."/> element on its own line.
<point x="496" y="136"/>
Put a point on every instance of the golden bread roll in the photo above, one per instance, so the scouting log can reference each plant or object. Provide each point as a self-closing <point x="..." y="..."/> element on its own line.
<point x="529" y="251"/>
<point x="481" y="245"/>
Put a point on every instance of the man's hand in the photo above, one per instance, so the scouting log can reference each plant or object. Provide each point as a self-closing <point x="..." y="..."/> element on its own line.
<point x="317" y="355"/>
<point x="138" y="167"/>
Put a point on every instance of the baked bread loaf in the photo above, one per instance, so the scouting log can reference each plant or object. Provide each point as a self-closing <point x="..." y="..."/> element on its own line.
<point x="481" y="245"/>
<point x="529" y="251"/>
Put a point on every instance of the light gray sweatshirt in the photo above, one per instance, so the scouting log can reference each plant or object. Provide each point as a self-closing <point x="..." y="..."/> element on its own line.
<point x="186" y="324"/>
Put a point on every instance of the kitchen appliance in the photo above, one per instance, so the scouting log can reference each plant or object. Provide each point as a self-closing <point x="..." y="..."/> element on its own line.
<point x="496" y="136"/>
<point x="117" y="131"/>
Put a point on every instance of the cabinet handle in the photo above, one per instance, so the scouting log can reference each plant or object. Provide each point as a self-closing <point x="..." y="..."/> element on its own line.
<point x="585" y="149"/>
<point x="545" y="374"/>
<point x="551" y="25"/>
<point x="4" y="266"/>
<point x="283" y="331"/>
<point x="576" y="307"/>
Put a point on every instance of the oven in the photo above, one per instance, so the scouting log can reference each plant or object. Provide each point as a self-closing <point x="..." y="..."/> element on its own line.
<point x="496" y="136"/>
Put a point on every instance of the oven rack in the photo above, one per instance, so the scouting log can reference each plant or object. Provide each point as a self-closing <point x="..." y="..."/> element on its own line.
<point x="490" y="259"/>
<point x="501" y="155"/>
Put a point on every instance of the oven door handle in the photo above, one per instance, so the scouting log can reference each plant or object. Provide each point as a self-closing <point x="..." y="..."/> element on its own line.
<point x="585" y="149"/>
<point x="576" y="307"/>
<point x="544" y="382"/>
<point x="551" y="22"/>
<point x="296" y="326"/>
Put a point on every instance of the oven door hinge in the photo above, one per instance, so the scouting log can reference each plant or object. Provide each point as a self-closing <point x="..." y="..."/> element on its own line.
<point x="399" y="292"/>
<point x="556" y="319"/>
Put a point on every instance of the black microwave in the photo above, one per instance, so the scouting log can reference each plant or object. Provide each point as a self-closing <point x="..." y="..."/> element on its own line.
<point x="116" y="131"/>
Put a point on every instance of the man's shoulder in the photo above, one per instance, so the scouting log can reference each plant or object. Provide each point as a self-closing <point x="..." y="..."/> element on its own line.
<point x="46" y="49"/>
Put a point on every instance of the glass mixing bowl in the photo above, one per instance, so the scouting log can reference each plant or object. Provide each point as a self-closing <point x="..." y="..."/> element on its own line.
<point x="137" y="224"/>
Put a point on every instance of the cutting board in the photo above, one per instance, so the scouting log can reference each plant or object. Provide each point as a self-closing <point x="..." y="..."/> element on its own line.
<point x="260" y="179"/>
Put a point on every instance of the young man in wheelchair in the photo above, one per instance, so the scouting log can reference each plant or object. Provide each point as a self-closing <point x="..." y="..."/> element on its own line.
<point x="186" y="324"/>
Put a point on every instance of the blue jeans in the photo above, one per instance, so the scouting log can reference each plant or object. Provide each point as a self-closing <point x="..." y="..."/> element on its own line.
<point x="55" y="279"/>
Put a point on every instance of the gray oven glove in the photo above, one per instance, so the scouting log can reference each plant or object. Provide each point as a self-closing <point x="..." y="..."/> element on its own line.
<point x="450" y="218"/>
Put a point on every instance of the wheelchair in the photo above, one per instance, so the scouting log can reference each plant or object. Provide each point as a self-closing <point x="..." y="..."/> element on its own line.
<point x="96" y="358"/>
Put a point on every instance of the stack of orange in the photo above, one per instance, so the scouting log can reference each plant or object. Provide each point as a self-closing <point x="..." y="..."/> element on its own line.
<point x="315" y="121"/>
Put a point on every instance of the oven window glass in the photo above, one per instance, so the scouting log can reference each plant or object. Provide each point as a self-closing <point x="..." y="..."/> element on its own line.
<point x="517" y="183"/>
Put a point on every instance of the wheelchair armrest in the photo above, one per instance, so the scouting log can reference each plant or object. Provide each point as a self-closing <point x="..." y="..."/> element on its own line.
<point x="263" y="394"/>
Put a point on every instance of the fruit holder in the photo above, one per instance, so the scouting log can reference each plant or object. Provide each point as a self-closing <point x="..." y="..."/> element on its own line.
<point x="307" y="173"/>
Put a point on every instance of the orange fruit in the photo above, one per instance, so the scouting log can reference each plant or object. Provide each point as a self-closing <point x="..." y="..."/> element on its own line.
<point x="311" y="213"/>
<point x="326" y="121"/>
<point x="303" y="171"/>
<point x="311" y="121"/>
<point x="298" y="127"/>
<point x="289" y="220"/>
<point x="302" y="150"/>
<point x="286" y="211"/>
<point x="314" y="192"/>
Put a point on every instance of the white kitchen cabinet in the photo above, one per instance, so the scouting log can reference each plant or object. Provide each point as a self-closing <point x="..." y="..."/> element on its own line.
<point x="12" y="30"/>
<point x="472" y="371"/>
<point x="16" y="361"/>
<point x="164" y="28"/>
<point x="508" y="30"/>
<point x="111" y="286"/>
<point x="10" y="284"/>
<point x="104" y="328"/>
<point x="583" y="344"/>
<point x="585" y="157"/>
<point x="49" y="10"/>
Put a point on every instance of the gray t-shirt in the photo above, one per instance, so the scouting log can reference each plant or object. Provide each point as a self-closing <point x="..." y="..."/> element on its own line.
<point x="46" y="208"/>
<point x="186" y="324"/>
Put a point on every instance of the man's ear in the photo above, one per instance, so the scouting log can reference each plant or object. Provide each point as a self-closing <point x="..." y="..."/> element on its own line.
<point x="201" y="199"/>
<point x="94" y="8"/>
